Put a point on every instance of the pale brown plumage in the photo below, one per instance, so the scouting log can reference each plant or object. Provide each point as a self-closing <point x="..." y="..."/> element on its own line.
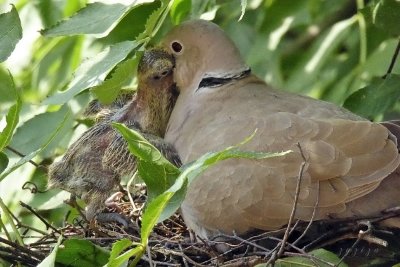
<point x="93" y="166"/>
<point x="220" y="104"/>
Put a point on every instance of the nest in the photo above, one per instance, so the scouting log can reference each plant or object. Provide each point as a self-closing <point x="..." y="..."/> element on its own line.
<point x="172" y="244"/>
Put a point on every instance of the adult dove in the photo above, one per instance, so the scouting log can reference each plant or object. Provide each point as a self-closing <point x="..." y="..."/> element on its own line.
<point x="350" y="162"/>
<point x="93" y="165"/>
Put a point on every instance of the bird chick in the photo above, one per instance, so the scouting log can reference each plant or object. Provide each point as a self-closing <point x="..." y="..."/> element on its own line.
<point x="98" y="111"/>
<point x="93" y="166"/>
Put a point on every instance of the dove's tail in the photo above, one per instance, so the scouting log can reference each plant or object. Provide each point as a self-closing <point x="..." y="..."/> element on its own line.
<point x="394" y="127"/>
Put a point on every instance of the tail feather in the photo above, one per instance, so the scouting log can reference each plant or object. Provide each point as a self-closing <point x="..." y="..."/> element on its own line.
<point x="394" y="127"/>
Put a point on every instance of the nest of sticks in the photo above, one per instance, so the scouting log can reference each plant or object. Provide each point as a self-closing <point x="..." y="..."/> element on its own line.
<point x="172" y="244"/>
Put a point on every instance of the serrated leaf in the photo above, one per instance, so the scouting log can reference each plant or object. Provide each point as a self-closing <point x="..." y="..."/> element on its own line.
<point x="77" y="252"/>
<point x="132" y="24"/>
<point x="109" y="89"/>
<point x="98" y="18"/>
<point x="12" y="118"/>
<point x="3" y="162"/>
<point x="376" y="98"/>
<point x="93" y="71"/>
<point x="180" y="9"/>
<point x="10" y="32"/>
<point x="155" y="20"/>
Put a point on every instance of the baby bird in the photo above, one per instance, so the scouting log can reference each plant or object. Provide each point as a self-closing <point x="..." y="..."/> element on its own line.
<point x="93" y="166"/>
<point x="98" y="111"/>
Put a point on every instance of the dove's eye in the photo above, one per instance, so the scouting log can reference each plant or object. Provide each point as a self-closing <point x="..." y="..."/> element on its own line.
<point x="176" y="47"/>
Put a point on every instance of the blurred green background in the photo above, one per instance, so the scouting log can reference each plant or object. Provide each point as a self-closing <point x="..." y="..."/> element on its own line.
<point x="322" y="48"/>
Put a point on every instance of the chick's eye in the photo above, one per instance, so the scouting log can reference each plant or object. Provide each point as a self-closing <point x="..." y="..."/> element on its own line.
<point x="176" y="47"/>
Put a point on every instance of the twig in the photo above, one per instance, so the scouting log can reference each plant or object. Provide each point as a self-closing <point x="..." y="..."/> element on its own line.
<point x="296" y="198"/>
<point x="48" y="225"/>
<point x="183" y="255"/>
<point x="393" y="61"/>
<point x="311" y="219"/>
<point x="31" y="228"/>
<point x="34" y="189"/>
<point x="17" y="260"/>
<point x="18" y="256"/>
<point x="22" y="156"/>
<point x="150" y="261"/>
<point x="160" y="263"/>
<point x="289" y="244"/>
<point x="361" y="234"/>
<point x="128" y="186"/>
<point x="185" y="261"/>
<point x="37" y="255"/>
<point x="310" y="257"/>
<point x="244" y="241"/>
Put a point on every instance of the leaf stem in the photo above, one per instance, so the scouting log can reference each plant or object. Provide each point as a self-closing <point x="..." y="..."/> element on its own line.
<point x="393" y="61"/>
<point x="363" y="33"/>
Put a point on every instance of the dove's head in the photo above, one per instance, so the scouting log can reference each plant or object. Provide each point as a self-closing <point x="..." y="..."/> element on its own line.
<point x="201" y="50"/>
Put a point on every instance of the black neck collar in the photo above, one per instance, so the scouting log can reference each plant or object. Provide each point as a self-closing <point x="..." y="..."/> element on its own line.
<point x="219" y="81"/>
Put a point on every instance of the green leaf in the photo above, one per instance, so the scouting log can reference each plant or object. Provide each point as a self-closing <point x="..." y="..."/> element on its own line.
<point x="93" y="71"/>
<point x="77" y="252"/>
<point x="30" y="156"/>
<point x="385" y="15"/>
<point x="155" y="170"/>
<point x="6" y="83"/>
<point x="132" y="24"/>
<point x="324" y="255"/>
<point x="98" y="18"/>
<point x="180" y="9"/>
<point x="116" y="250"/>
<point x="108" y="91"/>
<point x="155" y="20"/>
<point x="3" y="162"/>
<point x="141" y="148"/>
<point x="152" y="214"/>
<point x="376" y="98"/>
<point x="54" y="72"/>
<point x="12" y="118"/>
<point x="31" y="135"/>
<point x="50" y="260"/>
<point x="10" y="32"/>
<point x="321" y="51"/>
<point x="120" y="260"/>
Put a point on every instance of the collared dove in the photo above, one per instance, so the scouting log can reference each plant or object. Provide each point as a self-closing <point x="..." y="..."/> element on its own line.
<point x="93" y="165"/>
<point x="350" y="162"/>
